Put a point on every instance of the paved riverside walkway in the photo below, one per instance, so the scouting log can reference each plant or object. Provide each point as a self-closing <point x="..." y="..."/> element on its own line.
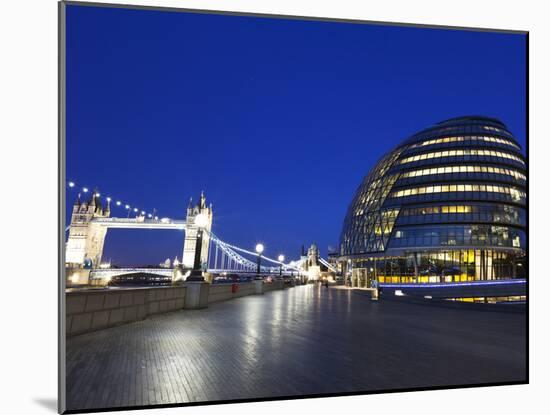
<point x="300" y="341"/>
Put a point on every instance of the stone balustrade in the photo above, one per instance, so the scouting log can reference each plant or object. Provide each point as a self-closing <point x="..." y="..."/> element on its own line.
<point x="274" y="285"/>
<point x="89" y="310"/>
<point x="94" y="309"/>
<point x="223" y="292"/>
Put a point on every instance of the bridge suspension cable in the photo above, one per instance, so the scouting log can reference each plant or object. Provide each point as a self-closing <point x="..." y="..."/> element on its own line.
<point x="327" y="264"/>
<point x="231" y="252"/>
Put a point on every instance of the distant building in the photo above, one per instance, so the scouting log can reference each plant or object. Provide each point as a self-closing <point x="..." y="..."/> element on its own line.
<point x="166" y="264"/>
<point x="314" y="268"/>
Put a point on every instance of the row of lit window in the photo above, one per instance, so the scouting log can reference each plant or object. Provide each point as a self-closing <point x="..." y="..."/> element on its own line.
<point x="464" y="169"/>
<point x="430" y="210"/>
<point x="473" y="127"/>
<point x="494" y="217"/>
<point x="465" y="138"/>
<point x="490" y="128"/>
<point x="516" y="194"/>
<point x="490" y="300"/>
<point x="450" y="278"/>
<point x="480" y="230"/>
<point x="497" y="213"/>
<point x="452" y="236"/>
<point x="423" y="279"/>
<point x="465" y="152"/>
<point x="439" y="258"/>
<point x="428" y="279"/>
<point x="387" y="214"/>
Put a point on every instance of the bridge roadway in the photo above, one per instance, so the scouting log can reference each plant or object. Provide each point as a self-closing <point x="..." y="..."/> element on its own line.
<point x="300" y="341"/>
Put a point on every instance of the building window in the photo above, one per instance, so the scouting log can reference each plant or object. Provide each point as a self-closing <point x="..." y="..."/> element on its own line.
<point x="514" y="193"/>
<point x="461" y="152"/>
<point x="466" y="138"/>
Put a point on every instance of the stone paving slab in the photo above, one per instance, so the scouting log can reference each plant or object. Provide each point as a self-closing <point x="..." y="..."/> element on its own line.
<point x="300" y="341"/>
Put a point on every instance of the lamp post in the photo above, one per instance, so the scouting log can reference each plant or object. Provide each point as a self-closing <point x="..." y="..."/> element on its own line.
<point x="281" y="258"/>
<point x="259" y="250"/>
<point x="196" y="273"/>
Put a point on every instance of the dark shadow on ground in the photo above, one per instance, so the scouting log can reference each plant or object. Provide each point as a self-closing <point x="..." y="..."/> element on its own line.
<point x="48" y="403"/>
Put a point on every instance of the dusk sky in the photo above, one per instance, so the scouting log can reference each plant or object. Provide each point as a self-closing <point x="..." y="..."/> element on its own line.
<point x="278" y="121"/>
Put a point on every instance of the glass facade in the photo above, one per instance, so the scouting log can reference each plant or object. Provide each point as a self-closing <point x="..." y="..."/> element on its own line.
<point x="446" y="205"/>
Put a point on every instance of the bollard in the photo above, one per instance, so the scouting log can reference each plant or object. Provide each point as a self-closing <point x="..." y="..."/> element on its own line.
<point x="196" y="294"/>
<point x="259" y="286"/>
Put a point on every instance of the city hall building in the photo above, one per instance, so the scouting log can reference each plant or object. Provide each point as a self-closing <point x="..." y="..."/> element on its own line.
<point x="446" y="208"/>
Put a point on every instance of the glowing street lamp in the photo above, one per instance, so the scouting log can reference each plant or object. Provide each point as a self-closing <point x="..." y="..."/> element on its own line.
<point x="85" y="189"/>
<point x="281" y="258"/>
<point x="201" y="221"/>
<point x="118" y="203"/>
<point x="71" y="184"/>
<point x="259" y="250"/>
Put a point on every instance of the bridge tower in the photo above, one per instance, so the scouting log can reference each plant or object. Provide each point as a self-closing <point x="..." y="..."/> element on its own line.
<point x="85" y="242"/>
<point x="191" y="232"/>
<point x="313" y="265"/>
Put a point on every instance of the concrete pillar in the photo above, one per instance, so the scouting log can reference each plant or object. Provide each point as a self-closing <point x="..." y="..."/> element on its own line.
<point x="259" y="286"/>
<point x="196" y="294"/>
<point x="374" y="294"/>
<point x="415" y="258"/>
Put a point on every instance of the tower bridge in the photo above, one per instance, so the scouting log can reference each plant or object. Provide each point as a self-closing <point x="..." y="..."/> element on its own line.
<point x="91" y="219"/>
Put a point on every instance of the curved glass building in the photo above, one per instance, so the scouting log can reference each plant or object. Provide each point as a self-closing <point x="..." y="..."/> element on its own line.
<point x="445" y="206"/>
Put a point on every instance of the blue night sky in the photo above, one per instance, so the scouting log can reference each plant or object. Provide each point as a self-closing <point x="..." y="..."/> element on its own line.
<point x="276" y="120"/>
